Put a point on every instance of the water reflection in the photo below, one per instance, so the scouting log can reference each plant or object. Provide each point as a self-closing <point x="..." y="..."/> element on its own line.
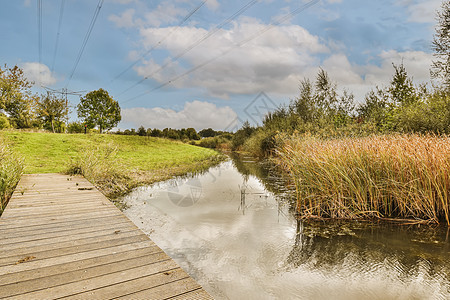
<point x="234" y="230"/>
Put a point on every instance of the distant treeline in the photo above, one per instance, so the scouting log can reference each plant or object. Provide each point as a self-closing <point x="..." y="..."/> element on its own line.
<point x="174" y="134"/>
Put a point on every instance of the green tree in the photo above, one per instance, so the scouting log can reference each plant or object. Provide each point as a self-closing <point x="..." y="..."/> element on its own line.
<point x="156" y="133"/>
<point x="98" y="108"/>
<point x="15" y="96"/>
<point x="402" y="90"/>
<point x="440" y="68"/>
<point x="51" y="109"/>
<point x="141" y="131"/>
<point x="192" y="134"/>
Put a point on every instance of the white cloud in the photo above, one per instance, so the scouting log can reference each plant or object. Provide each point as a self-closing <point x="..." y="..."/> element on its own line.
<point x="125" y="20"/>
<point x="40" y="74"/>
<point x="421" y="11"/>
<point x="417" y="64"/>
<point x="360" y="79"/>
<point x="165" y="13"/>
<point x="270" y="62"/>
<point x="213" y="4"/>
<point x="196" y="114"/>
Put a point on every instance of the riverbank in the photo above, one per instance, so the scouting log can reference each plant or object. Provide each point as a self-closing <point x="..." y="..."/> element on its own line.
<point x="115" y="164"/>
<point x="378" y="177"/>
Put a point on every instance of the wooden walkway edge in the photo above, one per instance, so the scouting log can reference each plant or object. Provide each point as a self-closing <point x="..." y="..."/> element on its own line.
<point x="61" y="238"/>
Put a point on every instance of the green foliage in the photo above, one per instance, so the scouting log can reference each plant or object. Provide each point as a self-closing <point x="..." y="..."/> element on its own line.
<point x="15" y="97"/>
<point x="97" y="108"/>
<point x="402" y="91"/>
<point x="141" y="131"/>
<point x="216" y="142"/>
<point x="75" y="127"/>
<point x="156" y="133"/>
<point x="52" y="111"/>
<point x="261" y="143"/>
<point x="4" y="122"/>
<point x="241" y="135"/>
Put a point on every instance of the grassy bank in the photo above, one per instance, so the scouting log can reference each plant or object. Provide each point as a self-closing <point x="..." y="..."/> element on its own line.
<point x="114" y="163"/>
<point x="393" y="176"/>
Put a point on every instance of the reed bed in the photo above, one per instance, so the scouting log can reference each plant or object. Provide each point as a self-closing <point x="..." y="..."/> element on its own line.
<point x="11" y="169"/>
<point x="391" y="176"/>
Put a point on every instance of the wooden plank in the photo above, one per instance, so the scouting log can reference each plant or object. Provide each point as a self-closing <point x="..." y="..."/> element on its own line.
<point x="199" y="294"/>
<point x="116" y="256"/>
<point x="57" y="240"/>
<point x="166" y="291"/>
<point x="100" y="281"/>
<point x="122" y="239"/>
<point x="65" y="227"/>
<point x="42" y="283"/>
<point x="7" y="228"/>
<point x="111" y="228"/>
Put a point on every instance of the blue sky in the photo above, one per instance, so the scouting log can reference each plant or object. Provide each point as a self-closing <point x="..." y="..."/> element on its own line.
<point x="231" y="59"/>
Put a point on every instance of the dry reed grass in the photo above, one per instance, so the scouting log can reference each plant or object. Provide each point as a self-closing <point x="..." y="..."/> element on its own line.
<point x="391" y="176"/>
<point x="11" y="169"/>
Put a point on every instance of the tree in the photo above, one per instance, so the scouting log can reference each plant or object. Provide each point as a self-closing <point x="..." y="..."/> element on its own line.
<point x="209" y="132"/>
<point x="440" y="68"/>
<point x="98" y="108"/>
<point x="51" y="110"/>
<point x="402" y="90"/>
<point x="15" y="96"/>
<point x="192" y="134"/>
<point x="141" y="131"/>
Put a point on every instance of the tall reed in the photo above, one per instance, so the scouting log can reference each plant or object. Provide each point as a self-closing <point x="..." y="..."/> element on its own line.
<point x="11" y="169"/>
<point x="392" y="176"/>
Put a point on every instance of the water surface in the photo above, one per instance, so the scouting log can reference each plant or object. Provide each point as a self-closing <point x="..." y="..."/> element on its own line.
<point x="233" y="229"/>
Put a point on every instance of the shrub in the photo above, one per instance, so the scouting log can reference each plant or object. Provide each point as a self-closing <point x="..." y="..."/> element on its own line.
<point x="4" y="122"/>
<point x="75" y="127"/>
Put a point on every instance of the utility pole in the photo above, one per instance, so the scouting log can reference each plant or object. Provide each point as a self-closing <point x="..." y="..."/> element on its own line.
<point x="64" y="92"/>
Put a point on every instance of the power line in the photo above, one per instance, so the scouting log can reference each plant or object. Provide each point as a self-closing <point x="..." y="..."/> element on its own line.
<point x="240" y="44"/>
<point x="86" y="38"/>
<point x="196" y="43"/>
<point x="39" y="17"/>
<point x="185" y="19"/>
<point x="58" y="33"/>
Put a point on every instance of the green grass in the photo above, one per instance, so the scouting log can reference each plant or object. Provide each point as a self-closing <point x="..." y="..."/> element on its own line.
<point x="114" y="163"/>
<point x="393" y="176"/>
<point x="50" y="153"/>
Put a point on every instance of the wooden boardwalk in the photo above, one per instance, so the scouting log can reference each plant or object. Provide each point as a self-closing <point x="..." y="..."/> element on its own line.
<point x="61" y="238"/>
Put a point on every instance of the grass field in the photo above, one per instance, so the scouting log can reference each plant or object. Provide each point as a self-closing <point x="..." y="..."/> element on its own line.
<point x="50" y="153"/>
<point x="114" y="163"/>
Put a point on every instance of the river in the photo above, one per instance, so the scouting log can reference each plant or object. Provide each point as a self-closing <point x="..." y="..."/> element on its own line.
<point x="233" y="229"/>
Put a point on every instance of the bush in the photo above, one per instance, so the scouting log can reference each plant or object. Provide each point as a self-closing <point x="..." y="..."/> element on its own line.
<point x="4" y="122"/>
<point x="261" y="143"/>
<point x="75" y="127"/>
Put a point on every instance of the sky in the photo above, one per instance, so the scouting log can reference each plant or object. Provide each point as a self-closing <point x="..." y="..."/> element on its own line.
<point x="212" y="63"/>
